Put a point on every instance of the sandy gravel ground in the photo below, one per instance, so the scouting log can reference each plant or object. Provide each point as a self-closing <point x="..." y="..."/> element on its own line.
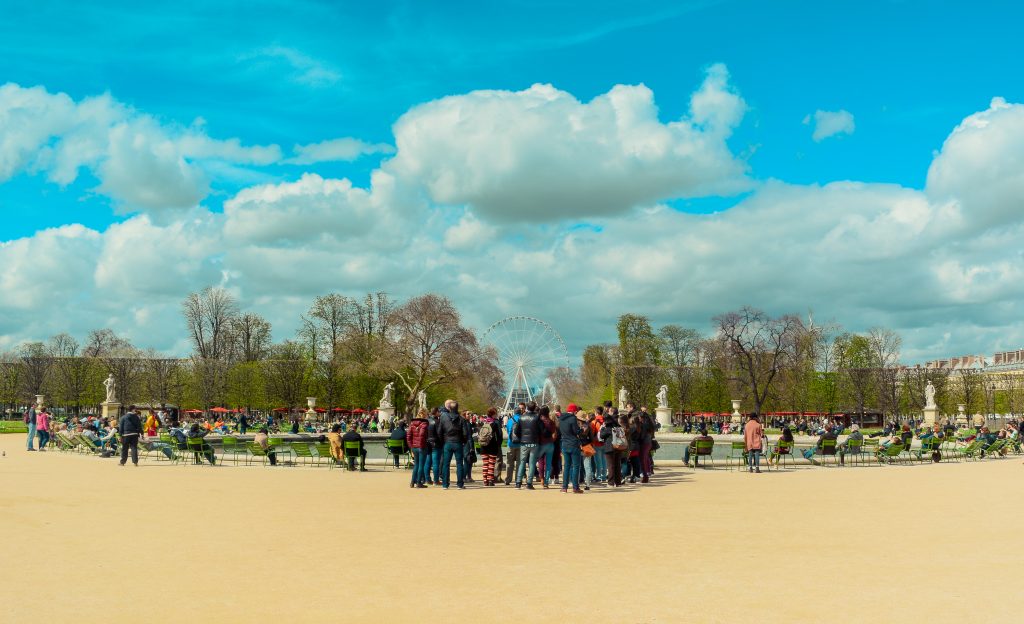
<point x="88" y="541"/>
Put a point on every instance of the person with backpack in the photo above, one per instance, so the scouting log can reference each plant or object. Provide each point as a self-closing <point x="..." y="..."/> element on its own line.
<point x="547" y="444"/>
<point x="528" y="431"/>
<point x="512" y="460"/>
<point x="30" y="419"/>
<point x="490" y="445"/>
<point x="454" y="437"/>
<point x="416" y="440"/>
<point x="615" y="445"/>
<point x="572" y="459"/>
<point x="647" y="426"/>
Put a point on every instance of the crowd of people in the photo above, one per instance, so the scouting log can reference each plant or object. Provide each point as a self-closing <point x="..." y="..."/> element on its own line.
<point x="532" y="445"/>
<point x="543" y="445"/>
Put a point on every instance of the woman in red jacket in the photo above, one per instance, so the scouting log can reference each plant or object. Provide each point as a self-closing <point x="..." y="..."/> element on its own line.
<point x="416" y="440"/>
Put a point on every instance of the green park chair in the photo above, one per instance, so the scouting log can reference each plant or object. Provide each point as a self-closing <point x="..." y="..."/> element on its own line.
<point x="229" y="446"/>
<point x="972" y="450"/>
<point x="197" y="448"/>
<point x="784" y="453"/>
<point x="352" y="454"/>
<point x="703" y="448"/>
<point x="398" y="447"/>
<point x="854" y="451"/>
<point x="828" y="449"/>
<point x="737" y="455"/>
<point x="890" y="454"/>
<point x="300" y="450"/>
<point x="280" y="447"/>
<point x="995" y="449"/>
<point x="929" y="446"/>
<point x="254" y="451"/>
<point x="323" y="453"/>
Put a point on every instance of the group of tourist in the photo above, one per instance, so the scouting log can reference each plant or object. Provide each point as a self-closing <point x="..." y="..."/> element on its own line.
<point x="601" y="446"/>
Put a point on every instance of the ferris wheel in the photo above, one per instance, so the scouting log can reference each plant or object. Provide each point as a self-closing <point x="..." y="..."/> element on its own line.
<point x="528" y="349"/>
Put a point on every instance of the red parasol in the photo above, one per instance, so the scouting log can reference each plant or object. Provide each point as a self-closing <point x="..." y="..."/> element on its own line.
<point x="220" y="410"/>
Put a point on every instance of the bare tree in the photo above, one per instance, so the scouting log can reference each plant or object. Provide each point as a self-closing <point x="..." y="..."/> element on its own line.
<point x="250" y="336"/>
<point x="163" y="377"/>
<point x="73" y="373"/>
<point x="758" y="346"/>
<point x="37" y="362"/>
<point x="430" y="345"/>
<point x="679" y="350"/>
<point x="11" y="373"/>
<point x="208" y="317"/>
<point x="286" y="373"/>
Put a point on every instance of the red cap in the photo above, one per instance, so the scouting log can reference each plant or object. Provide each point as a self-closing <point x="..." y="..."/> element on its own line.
<point x="572" y="408"/>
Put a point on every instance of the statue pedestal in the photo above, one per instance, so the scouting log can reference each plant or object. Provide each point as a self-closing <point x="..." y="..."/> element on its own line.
<point x="962" y="422"/>
<point x="385" y="413"/>
<point x="111" y="410"/>
<point x="664" y="418"/>
<point x="931" y="416"/>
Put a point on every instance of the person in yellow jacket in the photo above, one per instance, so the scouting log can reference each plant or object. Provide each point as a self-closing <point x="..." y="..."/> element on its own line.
<point x="152" y="424"/>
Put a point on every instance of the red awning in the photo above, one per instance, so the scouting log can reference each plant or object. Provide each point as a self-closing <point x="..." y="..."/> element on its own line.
<point x="341" y="409"/>
<point x="220" y="410"/>
<point x="193" y="411"/>
<point x="358" y="411"/>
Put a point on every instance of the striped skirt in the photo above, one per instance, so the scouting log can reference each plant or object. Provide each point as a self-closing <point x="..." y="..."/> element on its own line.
<point x="489" y="462"/>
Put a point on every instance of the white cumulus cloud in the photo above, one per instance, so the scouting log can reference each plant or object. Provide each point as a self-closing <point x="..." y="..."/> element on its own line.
<point x="830" y="123"/>
<point x="141" y="164"/>
<point x="343" y="149"/>
<point x="542" y="155"/>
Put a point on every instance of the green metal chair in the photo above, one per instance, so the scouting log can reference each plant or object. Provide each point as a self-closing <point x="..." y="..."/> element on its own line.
<point x="972" y="450"/>
<point x="279" y="446"/>
<point x="399" y="449"/>
<point x="995" y="449"/>
<point x="229" y="446"/>
<point x="703" y="448"/>
<point x="854" y="451"/>
<point x="198" y="448"/>
<point x="352" y="454"/>
<point x="737" y="454"/>
<point x="890" y="454"/>
<point x="302" y="450"/>
<point x="323" y="452"/>
<point x="929" y="446"/>
<point x="254" y="451"/>
<point x="783" y="452"/>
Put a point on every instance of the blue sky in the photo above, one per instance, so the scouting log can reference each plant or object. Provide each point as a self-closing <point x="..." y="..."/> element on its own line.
<point x="288" y="73"/>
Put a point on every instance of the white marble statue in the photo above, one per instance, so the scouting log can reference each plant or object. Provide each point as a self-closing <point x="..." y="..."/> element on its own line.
<point x="623" y="397"/>
<point x="385" y="401"/>
<point x="662" y="397"/>
<point x="929" y="395"/>
<point x="421" y="398"/>
<point x="111" y="387"/>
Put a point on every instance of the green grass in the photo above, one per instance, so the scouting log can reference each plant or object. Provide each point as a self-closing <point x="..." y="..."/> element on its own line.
<point x="13" y="426"/>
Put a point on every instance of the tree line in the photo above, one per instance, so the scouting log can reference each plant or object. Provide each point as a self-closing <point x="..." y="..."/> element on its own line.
<point x="345" y="351"/>
<point x="777" y="364"/>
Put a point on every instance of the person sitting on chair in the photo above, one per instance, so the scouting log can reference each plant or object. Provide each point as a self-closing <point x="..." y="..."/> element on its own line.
<point x="263" y="441"/>
<point x="987" y="438"/>
<point x="828" y="434"/>
<point x="352" y="435"/>
<point x="786" y="437"/>
<point x="398" y="434"/>
<point x="692" y="448"/>
<point x="844" y="448"/>
<point x="197" y="432"/>
<point x="337" y="448"/>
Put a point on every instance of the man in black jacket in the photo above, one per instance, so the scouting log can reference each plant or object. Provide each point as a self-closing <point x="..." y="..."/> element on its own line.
<point x="436" y="447"/>
<point x="528" y="431"/>
<point x="129" y="427"/>
<point x="454" y="437"/>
